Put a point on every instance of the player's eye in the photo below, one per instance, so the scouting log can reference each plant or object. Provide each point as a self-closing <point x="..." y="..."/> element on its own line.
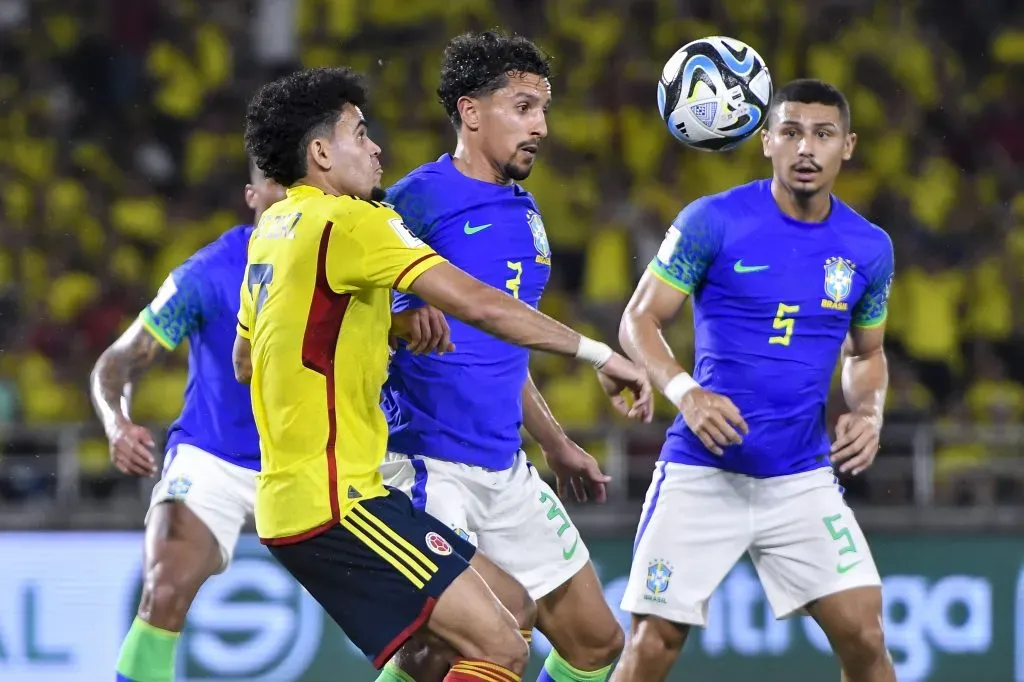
<point x="824" y="133"/>
<point x="523" y="107"/>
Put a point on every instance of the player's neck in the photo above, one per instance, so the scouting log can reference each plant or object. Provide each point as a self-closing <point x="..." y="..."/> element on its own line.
<point x="807" y="208"/>
<point x="474" y="164"/>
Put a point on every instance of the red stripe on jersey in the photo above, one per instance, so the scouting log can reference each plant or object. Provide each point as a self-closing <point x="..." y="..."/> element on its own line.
<point x="319" y="343"/>
<point x="401" y="275"/>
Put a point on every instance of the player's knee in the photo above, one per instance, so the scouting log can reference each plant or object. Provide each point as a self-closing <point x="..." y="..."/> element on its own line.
<point x="169" y="586"/>
<point x="610" y="646"/>
<point x="526" y="613"/>
<point x="654" y="639"/>
<point x="507" y="649"/>
<point x="598" y="647"/>
<point x="861" y="645"/>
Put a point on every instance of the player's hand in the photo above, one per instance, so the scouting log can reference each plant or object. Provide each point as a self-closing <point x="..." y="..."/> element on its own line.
<point x="424" y="329"/>
<point x="713" y="418"/>
<point x="576" y="471"/>
<point x="856" y="444"/>
<point x="618" y="375"/>
<point x="131" y="448"/>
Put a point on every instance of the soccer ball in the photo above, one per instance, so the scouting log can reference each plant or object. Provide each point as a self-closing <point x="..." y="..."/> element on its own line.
<point x="714" y="93"/>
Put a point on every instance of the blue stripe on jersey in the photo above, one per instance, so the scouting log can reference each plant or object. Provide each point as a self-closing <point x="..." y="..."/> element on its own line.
<point x="773" y="300"/>
<point x="467" y="406"/>
<point x="199" y="301"/>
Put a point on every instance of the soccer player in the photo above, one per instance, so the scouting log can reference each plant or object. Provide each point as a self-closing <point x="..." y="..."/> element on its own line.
<point x="209" y="474"/>
<point x="455" y="419"/>
<point x="312" y="339"/>
<point x="785" y="279"/>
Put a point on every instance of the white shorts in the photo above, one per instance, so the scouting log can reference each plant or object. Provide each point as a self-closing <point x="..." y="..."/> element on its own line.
<point x="698" y="521"/>
<point x="512" y="516"/>
<point x="221" y="494"/>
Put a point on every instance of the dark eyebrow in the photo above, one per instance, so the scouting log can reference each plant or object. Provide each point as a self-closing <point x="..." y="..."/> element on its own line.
<point x="360" y="126"/>
<point x="819" y="124"/>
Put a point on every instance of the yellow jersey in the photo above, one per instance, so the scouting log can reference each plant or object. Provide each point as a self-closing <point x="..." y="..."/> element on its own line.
<point x="316" y="308"/>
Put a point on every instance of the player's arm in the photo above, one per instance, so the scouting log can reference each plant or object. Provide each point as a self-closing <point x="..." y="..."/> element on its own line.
<point x="865" y="375"/>
<point x="241" y="350"/>
<point x="689" y="248"/>
<point x="161" y="326"/>
<point x="381" y="252"/>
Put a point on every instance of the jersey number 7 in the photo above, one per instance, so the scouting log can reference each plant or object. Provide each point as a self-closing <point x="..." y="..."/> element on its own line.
<point x="784" y="323"/>
<point x="260" y="277"/>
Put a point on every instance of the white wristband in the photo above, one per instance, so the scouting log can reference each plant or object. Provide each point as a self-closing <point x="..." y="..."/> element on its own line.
<point x="594" y="352"/>
<point x="678" y="386"/>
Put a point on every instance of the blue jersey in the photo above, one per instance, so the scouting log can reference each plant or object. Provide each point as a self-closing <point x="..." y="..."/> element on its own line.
<point x="773" y="300"/>
<point x="467" y="406"/>
<point x="199" y="301"/>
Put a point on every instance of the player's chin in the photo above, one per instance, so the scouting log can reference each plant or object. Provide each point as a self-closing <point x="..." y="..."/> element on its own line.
<point x="519" y="170"/>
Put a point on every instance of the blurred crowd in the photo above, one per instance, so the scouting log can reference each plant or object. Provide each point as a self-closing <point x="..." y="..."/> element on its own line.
<point x="124" y="154"/>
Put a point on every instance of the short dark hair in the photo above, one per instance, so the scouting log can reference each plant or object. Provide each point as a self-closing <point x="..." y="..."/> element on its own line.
<point x="477" y="64"/>
<point x="812" y="91"/>
<point x="287" y="113"/>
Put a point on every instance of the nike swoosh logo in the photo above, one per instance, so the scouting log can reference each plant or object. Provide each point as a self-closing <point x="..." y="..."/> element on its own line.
<point x="567" y="553"/>
<point x="469" y="229"/>
<point x="742" y="269"/>
<point x="849" y="567"/>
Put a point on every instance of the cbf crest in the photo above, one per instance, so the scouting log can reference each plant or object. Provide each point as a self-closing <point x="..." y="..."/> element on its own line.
<point x="659" y="573"/>
<point x="540" y="237"/>
<point x="838" y="283"/>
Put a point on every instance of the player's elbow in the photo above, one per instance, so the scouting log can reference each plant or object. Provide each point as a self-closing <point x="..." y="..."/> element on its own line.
<point x="241" y="360"/>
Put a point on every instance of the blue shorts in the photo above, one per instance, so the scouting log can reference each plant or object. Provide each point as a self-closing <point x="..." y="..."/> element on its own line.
<point x="379" y="572"/>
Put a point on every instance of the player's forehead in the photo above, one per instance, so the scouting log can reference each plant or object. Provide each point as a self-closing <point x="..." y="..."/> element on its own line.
<point x="350" y="119"/>
<point x="521" y="85"/>
<point x="808" y="114"/>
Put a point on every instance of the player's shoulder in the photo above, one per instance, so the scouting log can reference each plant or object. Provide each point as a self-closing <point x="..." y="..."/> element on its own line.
<point x="859" y="229"/>
<point x="223" y="252"/>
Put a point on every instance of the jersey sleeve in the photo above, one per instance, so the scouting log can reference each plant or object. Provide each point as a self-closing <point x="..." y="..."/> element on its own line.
<point x="409" y="198"/>
<point x="244" y="322"/>
<point x="690" y="246"/>
<point x="873" y="306"/>
<point x="185" y="299"/>
<point x="378" y="251"/>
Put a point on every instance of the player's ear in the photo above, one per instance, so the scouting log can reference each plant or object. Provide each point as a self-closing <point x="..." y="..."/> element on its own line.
<point x="250" y="197"/>
<point x="766" y="138"/>
<point x="469" y="112"/>
<point x="318" y="153"/>
<point x="848" y="145"/>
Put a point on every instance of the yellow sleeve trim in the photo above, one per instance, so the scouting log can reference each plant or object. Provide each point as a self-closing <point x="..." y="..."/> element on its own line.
<point x="154" y="332"/>
<point x="415" y="269"/>
<point x="667" y="280"/>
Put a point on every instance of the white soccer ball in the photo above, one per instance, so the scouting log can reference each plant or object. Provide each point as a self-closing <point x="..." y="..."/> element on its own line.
<point x="714" y="93"/>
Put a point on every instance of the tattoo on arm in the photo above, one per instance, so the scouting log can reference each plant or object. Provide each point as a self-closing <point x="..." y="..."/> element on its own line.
<point x="118" y="368"/>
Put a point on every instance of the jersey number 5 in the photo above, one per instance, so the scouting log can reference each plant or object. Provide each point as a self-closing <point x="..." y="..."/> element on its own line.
<point x="784" y="323"/>
<point x="260" y="277"/>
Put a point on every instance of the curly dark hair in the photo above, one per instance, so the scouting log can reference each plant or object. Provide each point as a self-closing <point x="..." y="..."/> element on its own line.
<point x="287" y="113"/>
<point x="477" y="64"/>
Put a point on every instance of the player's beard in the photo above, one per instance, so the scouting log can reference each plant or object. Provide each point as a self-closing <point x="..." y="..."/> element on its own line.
<point x="516" y="172"/>
<point x="378" y="194"/>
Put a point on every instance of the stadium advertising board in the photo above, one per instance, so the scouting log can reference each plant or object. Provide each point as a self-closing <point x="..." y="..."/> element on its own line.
<point x="954" y="611"/>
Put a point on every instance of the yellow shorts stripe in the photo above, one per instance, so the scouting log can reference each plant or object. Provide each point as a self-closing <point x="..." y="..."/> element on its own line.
<point x="383" y="553"/>
<point x="386" y="545"/>
<point x="394" y="537"/>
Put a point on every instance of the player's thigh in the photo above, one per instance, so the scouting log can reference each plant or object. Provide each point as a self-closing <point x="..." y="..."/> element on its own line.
<point x="433" y="486"/>
<point x="807" y="542"/>
<point x="527" y="532"/>
<point x="219" y="494"/>
<point x="694" y="527"/>
<point x="380" y="572"/>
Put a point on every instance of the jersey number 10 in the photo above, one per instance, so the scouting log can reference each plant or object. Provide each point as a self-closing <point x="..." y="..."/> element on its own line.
<point x="784" y="323"/>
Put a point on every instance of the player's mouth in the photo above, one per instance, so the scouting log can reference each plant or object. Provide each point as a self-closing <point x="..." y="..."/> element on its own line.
<point x="530" y="149"/>
<point x="806" y="172"/>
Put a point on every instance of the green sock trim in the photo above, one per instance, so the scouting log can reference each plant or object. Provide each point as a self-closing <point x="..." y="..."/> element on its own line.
<point x="392" y="673"/>
<point x="561" y="671"/>
<point x="147" y="653"/>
